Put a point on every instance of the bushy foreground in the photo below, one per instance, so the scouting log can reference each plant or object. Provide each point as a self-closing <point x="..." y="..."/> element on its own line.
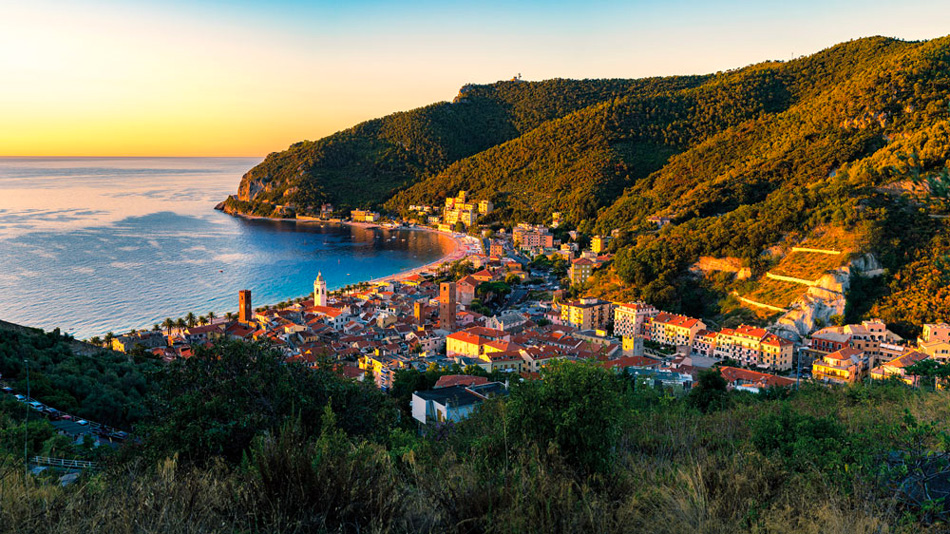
<point x="582" y="451"/>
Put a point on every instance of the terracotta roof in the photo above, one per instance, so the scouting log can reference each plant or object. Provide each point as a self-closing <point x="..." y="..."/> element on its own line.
<point x="906" y="360"/>
<point x="675" y="320"/>
<point x="448" y="381"/>
<point x="846" y="353"/>
<point x="733" y="374"/>
<point x="751" y="331"/>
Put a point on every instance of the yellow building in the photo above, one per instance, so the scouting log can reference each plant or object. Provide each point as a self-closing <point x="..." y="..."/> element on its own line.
<point x="586" y="314"/>
<point x="776" y="352"/>
<point x="897" y="368"/>
<point x="845" y="366"/>
<point x="674" y="330"/>
<point x="599" y="243"/>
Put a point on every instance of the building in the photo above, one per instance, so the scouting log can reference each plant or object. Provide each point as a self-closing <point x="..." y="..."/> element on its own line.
<point x="364" y="216"/>
<point x="586" y="314"/>
<point x="319" y="290"/>
<point x="485" y="207"/>
<point x="527" y="236"/>
<point x="754" y="381"/>
<point x="934" y="341"/>
<point x="452" y="403"/>
<point x="871" y="337"/>
<point x="465" y="290"/>
<point x="751" y="345"/>
<point x="472" y="342"/>
<point x="675" y="330"/>
<point x="599" y="243"/>
<point x="845" y="366"/>
<point x="776" y="353"/>
<point x="580" y="271"/>
<point x="630" y="322"/>
<point x="447" y="306"/>
<point x="496" y="249"/>
<point x="897" y="368"/>
<point x="245" y="312"/>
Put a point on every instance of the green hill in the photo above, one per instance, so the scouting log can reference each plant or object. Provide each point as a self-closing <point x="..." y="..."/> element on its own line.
<point x="364" y="165"/>
<point x="854" y="137"/>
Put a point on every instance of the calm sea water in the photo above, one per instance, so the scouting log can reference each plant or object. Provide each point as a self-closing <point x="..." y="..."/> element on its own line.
<point x="92" y="245"/>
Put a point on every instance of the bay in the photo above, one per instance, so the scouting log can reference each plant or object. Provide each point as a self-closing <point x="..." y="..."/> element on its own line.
<point x="92" y="245"/>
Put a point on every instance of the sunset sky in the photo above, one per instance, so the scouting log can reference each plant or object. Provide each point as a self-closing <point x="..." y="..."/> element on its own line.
<point x="246" y="78"/>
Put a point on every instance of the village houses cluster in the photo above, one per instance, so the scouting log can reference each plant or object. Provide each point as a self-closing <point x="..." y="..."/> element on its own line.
<point x="426" y="320"/>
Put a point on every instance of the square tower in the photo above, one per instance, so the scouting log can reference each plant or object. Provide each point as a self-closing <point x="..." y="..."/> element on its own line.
<point x="244" y="306"/>
<point x="447" y="306"/>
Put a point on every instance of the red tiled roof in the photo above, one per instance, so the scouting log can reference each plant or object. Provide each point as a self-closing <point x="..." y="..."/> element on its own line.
<point x="448" y="381"/>
<point x="733" y="374"/>
<point x="845" y="354"/>
<point x="906" y="360"/>
<point x="751" y="331"/>
<point x="675" y="320"/>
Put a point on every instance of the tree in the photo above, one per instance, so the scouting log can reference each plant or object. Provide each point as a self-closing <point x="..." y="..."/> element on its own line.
<point x="229" y="316"/>
<point x="211" y="316"/>
<point x="216" y="402"/>
<point x="709" y="393"/>
<point x="181" y="324"/>
<point x="577" y="406"/>
<point x="202" y="320"/>
<point x="930" y="371"/>
<point x="168" y="324"/>
<point x="191" y="319"/>
<point x="95" y="340"/>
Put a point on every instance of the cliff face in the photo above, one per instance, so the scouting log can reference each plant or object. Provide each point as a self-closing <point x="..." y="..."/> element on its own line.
<point x="825" y="299"/>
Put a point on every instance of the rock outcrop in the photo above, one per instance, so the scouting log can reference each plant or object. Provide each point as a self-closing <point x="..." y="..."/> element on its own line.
<point x="825" y="299"/>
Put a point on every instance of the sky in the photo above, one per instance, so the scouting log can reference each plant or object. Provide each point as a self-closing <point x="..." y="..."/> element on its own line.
<point x="245" y="78"/>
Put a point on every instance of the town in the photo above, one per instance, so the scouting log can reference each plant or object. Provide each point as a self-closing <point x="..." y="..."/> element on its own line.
<point x="493" y="311"/>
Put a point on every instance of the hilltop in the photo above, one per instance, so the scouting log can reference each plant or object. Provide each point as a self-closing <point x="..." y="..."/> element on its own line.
<point x="746" y="164"/>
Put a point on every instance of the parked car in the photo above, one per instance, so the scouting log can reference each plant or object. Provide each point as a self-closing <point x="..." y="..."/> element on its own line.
<point x="82" y="422"/>
<point x="66" y="417"/>
<point x="6" y="389"/>
<point x="53" y="414"/>
<point x="20" y="398"/>
<point x="37" y="405"/>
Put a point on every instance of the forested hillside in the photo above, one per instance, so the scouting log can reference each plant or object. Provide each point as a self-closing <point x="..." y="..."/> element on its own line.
<point x="395" y="151"/>
<point x="855" y="137"/>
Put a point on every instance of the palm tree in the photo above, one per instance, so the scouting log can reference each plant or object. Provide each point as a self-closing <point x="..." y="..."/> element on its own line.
<point x="191" y="319"/>
<point x="95" y="340"/>
<point x="210" y="317"/>
<point x="168" y="324"/>
<point x="181" y="324"/>
<point x="109" y="337"/>
<point x="229" y="316"/>
<point x="202" y="320"/>
<point x="156" y="328"/>
<point x="133" y="331"/>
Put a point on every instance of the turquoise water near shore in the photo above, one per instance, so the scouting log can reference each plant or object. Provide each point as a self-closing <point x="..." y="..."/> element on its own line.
<point x="92" y="245"/>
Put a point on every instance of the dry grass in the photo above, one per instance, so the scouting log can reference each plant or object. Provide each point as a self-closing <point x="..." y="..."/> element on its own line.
<point x="808" y="265"/>
<point x="676" y="471"/>
<point x="776" y="292"/>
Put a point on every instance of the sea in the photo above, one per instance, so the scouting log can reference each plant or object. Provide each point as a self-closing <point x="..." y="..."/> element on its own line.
<point x="97" y="245"/>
